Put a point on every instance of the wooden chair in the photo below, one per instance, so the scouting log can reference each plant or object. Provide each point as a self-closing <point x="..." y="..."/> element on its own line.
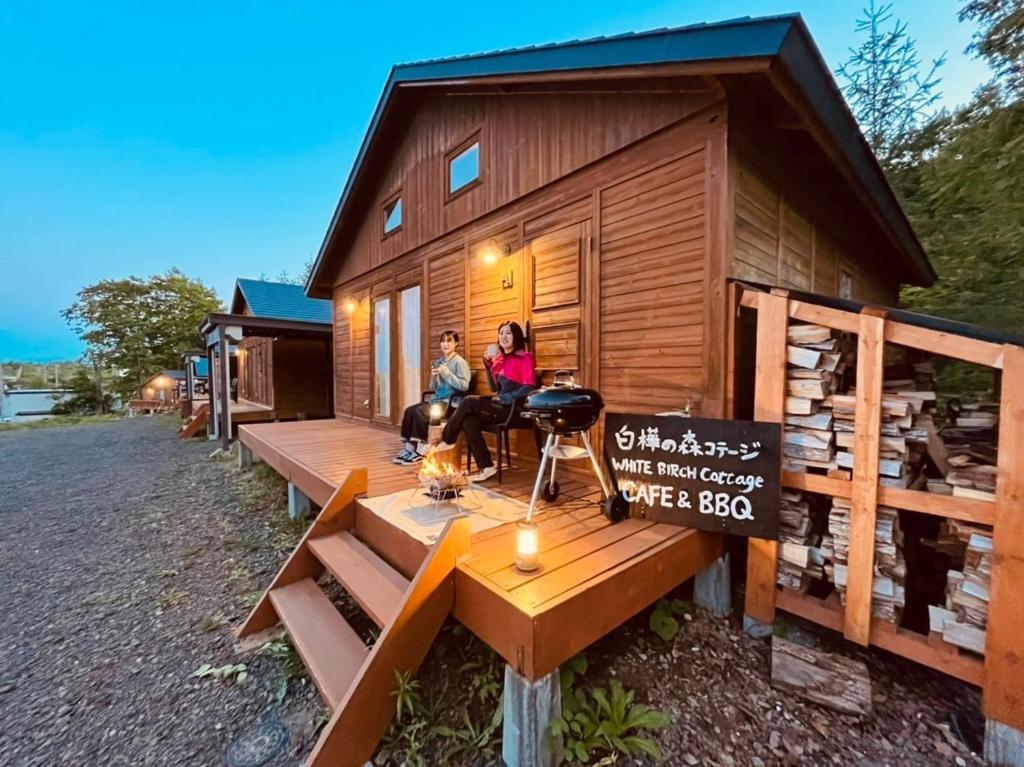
<point x="515" y="420"/>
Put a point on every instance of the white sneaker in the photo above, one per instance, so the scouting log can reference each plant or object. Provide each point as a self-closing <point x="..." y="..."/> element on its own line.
<point x="441" y="447"/>
<point x="484" y="474"/>
<point x="423" y="448"/>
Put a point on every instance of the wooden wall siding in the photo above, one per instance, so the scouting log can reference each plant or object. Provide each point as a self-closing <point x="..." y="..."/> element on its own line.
<point x="361" y="359"/>
<point x="488" y="302"/>
<point x="555" y="263"/>
<point x="655" y="230"/>
<point x="797" y="251"/>
<point x="526" y="142"/>
<point x="826" y="265"/>
<point x="445" y="302"/>
<point x="256" y="374"/>
<point x="302" y="377"/>
<point x="777" y="243"/>
<point x="652" y="264"/>
<point x="342" y="356"/>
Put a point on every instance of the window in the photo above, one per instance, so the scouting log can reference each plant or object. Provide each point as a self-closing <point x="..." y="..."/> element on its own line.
<point x="409" y="346"/>
<point x="382" y="357"/>
<point x="393" y="215"/>
<point x="463" y="166"/>
<point x="845" y="284"/>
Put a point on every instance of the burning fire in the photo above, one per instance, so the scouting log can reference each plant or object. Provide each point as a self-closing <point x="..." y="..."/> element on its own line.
<point x="432" y="470"/>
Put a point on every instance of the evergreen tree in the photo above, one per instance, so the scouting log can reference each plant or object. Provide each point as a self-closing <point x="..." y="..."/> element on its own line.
<point x="884" y="84"/>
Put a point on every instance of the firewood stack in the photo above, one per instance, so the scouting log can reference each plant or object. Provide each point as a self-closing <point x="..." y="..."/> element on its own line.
<point x="800" y="559"/>
<point x="963" y="621"/>
<point x="890" y="573"/>
<point x="969" y="441"/>
<point x="823" y="399"/>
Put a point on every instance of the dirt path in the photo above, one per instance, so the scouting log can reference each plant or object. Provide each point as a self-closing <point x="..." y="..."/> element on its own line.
<point x="125" y="556"/>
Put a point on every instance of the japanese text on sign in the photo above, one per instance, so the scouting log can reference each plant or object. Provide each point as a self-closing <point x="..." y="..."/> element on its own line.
<point x="710" y="474"/>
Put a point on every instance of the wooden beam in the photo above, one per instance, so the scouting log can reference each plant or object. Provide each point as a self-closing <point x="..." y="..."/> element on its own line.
<point x="864" y="496"/>
<point x="769" y="405"/>
<point x="1003" y="699"/>
<point x="912" y="336"/>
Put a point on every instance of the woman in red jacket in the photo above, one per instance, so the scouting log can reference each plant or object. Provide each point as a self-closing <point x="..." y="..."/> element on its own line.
<point x="511" y="373"/>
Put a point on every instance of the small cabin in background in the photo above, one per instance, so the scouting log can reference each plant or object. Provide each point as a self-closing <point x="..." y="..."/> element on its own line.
<point x="278" y="347"/>
<point x="164" y="386"/>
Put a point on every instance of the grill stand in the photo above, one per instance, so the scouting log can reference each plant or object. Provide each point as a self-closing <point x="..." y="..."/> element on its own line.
<point x="551" y="450"/>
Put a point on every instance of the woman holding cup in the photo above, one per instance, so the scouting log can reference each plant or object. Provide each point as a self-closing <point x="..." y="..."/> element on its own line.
<point x="511" y="373"/>
<point x="449" y="376"/>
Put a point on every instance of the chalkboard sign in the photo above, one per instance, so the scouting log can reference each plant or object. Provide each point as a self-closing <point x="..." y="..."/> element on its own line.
<point x="705" y="473"/>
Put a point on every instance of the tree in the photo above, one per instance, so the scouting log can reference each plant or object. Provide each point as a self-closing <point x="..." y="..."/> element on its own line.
<point x="965" y="195"/>
<point x="1000" y="38"/>
<point x="139" y="326"/>
<point x="885" y="87"/>
<point x="87" y="397"/>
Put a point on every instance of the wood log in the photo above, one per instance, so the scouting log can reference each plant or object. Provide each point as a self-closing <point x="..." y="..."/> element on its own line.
<point x="808" y="334"/>
<point x="803" y="358"/>
<point x="819" y="421"/>
<point x="830" y="680"/>
<point x="809" y="389"/>
<point x="965" y="636"/>
<point x="801" y="406"/>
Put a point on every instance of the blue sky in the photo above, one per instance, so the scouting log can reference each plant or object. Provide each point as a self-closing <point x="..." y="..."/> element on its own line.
<point x="216" y="137"/>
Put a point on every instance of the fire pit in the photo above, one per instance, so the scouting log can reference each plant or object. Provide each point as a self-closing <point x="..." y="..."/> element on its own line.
<point x="441" y="481"/>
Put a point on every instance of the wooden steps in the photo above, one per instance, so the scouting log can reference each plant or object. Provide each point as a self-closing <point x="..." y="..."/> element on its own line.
<point x="196" y="422"/>
<point x="358" y="682"/>
<point x="375" y="586"/>
<point x="331" y="650"/>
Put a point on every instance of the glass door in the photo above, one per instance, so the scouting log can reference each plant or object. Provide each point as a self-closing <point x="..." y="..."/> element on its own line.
<point x="382" y="357"/>
<point x="410" y="361"/>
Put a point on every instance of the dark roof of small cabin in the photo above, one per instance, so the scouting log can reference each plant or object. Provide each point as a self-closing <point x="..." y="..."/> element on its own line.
<point x="278" y="300"/>
<point x="784" y="38"/>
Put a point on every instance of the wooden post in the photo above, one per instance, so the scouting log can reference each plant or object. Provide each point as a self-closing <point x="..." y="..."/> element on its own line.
<point x="769" y="405"/>
<point x="225" y="390"/>
<point x="864" y="498"/>
<point x="1003" y="699"/>
<point x="211" y="398"/>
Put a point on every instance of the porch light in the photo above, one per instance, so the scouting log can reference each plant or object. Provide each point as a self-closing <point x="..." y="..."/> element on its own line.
<point x="436" y="411"/>
<point x="350" y="306"/>
<point x="527" y="547"/>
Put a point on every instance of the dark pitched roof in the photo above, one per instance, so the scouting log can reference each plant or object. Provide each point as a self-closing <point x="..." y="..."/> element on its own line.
<point x="784" y="38"/>
<point x="278" y="300"/>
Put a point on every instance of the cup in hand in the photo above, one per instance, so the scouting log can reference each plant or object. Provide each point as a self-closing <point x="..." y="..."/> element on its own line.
<point x="492" y="351"/>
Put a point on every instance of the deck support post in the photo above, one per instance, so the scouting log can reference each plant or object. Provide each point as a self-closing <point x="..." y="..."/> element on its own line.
<point x="244" y="457"/>
<point x="299" y="505"/>
<point x="529" y="708"/>
<point x="1004" y="745"/>
<point x="712" y="587"/>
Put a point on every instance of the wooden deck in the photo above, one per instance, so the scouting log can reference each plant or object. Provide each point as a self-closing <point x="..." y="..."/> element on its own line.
<point x="593" y="576"/>
<point x="244" y="411"/>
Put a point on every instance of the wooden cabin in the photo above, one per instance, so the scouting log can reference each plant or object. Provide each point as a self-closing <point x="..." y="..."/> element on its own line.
<point x="278" y="347"/>
<point x="161" y="391"/>
<point x="606" y="192"/>
<point x="292" y="375"/>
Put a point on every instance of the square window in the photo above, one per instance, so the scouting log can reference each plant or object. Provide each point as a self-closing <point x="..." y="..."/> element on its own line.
<point x="845" y="284"/>
<point x="464" y="168"/>
<point x="392" y="214"/>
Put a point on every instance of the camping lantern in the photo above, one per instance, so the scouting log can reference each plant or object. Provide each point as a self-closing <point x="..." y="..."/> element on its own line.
<point x="436" y="411"/>
<point x="526" y="546"/>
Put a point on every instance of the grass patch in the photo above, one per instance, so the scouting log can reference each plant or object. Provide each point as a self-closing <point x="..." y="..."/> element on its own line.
<point x="60" y="420"/>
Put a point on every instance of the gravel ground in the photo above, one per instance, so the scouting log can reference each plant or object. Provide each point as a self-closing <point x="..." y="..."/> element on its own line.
<point x="127" y="557"/>
<point x="130" y="557"/>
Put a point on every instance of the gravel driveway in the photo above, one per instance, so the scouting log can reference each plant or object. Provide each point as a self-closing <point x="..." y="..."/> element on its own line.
<point x="125" y="558"/>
